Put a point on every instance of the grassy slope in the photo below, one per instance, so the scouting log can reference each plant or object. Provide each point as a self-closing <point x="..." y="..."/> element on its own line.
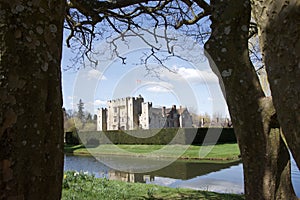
<point x="216" y="152"/>
<point x="88" y="188"/>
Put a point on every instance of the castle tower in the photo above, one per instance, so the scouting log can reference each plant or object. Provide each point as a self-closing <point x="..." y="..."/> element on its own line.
<point x="144" y="118"/>
<point x="123" y="113"/>
<point x="102" y="119"/>
<point x="137" y="111"/>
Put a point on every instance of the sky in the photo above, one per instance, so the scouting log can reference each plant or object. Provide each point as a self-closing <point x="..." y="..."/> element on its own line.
<point x="185" y="79"/>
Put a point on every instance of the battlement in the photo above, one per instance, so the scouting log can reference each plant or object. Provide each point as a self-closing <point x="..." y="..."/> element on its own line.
<point x="124" y="99"/>
<point x="131" y="113"/>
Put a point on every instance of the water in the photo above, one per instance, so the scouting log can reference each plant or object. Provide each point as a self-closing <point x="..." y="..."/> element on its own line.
<point x="217" y="177"/>
<point x="296" y="178"/>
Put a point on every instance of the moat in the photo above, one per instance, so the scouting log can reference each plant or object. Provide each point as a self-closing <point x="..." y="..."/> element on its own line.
<point x="217" y="177"/>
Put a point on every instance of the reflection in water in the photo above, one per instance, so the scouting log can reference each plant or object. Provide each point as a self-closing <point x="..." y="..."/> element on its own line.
<point x="229" y="180"/>
<point x="218" y="177"/>
<point x="187" y="170"/>
<point x="130" y="177"/>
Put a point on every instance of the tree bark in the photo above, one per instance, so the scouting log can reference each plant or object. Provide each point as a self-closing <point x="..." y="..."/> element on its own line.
<point x="31" y="119"/>
<point x="265" y="157"/>
<point x="279" y="33"/>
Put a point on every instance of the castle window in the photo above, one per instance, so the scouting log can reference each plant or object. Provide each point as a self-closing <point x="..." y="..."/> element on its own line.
<point x="115" y="109"/>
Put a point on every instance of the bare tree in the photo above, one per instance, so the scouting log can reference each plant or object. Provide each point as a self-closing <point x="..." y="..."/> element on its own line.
<point x="30" y="60"/>
<point x="281" y="55"/>
<point x="264" y="154"/>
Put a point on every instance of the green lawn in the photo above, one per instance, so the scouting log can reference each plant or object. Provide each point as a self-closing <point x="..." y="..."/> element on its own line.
<point x="215" y="152"/>
<point x="85" y="187"/>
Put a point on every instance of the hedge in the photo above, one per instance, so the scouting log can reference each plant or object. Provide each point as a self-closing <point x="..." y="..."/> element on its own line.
<point x="164" y="136"/>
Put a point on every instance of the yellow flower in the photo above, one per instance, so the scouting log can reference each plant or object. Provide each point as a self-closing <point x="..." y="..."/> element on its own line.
<point x="65" y="176"/>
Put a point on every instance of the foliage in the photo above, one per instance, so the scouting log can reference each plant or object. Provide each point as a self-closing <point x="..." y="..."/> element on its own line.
<point x="80" y="185"/>
<point x="73" y="123"/>
<point x="89" y="126"/>
<point x="80" y="113"/>
<point x="89" y="117"/>
<point x="162" y="136"/>
<point x="80" y="120"/>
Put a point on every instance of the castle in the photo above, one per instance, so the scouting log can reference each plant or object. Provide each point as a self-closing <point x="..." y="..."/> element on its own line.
<point x="133" y="113"/>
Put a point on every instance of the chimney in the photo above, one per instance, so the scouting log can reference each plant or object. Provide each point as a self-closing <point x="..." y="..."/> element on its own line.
<point x="180" y="110"/>
<point x="174" y="108"/>
<point x="164" y="111"/>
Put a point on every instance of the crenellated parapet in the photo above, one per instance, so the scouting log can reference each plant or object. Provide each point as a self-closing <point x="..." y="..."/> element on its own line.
<point x="132" y="113"/>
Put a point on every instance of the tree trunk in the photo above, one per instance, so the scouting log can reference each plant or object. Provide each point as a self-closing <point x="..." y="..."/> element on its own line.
<point x="265" y="157"/>
<point x="31" y="119"/>
<point x="279" y="33"/>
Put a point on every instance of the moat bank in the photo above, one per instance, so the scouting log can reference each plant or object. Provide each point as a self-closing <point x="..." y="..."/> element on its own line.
<point x="78" y="186"/>
<point x="200" y="175"/>
<point x="188" y="152"/>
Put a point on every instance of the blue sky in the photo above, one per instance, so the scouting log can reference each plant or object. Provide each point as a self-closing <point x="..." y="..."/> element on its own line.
<point x="187" y="81"/>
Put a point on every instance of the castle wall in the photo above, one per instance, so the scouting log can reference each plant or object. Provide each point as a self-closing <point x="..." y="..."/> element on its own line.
<point x="137" y="111"/>
<point x="132" y="113"/>
<point x="185" y="120"/>
<point x="102" y="119"/>
<point x="144" y="117"/>
<point x="151" y="117"/>
<point x="123" y="113"/>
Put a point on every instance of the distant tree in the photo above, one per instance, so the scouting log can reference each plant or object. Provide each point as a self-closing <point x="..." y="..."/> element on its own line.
<point x="68" y="125"/>
<point x="70" y="113"/>
<point x="89" y="126"/>
<point x="204" y="120"/>
<point x="80" y="113"/>
<point x="95" y="117"/>
<point x="89" y="117"/>
<point x="65" y="114"/>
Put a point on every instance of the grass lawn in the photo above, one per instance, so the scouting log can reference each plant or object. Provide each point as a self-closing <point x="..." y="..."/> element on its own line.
<point x="214" y="152"/>
<point x="85" y="187"/>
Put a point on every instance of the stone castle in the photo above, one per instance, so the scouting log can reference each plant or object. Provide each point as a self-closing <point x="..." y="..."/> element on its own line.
<point x="133" y="113"/>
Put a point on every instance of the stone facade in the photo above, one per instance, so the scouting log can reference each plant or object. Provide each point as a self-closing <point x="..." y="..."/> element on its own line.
<point x="102" y="119"/>
<point x="151" y="117"/>
<point x="121" y="114"/>
<point x="132" y="113"/>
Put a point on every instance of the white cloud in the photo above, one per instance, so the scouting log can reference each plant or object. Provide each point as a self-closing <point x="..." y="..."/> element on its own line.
<point x="95" y="74"/>
<point x="73" y="105"/>
<point x="160" y="86"/>
<point x="99" y="102"/>
<point x="158" y="89"/>
<point x="191" y="75"/>
<point x="73" y="98"/>
<point x="159" y="83"/>
<point x="188" y="73"/>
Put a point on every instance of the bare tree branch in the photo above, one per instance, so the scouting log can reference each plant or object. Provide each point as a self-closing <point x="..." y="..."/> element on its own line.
<point x="83" y="18"/>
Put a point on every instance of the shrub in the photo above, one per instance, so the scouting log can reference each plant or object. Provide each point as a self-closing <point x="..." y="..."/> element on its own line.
<point x="159" y="136"/>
